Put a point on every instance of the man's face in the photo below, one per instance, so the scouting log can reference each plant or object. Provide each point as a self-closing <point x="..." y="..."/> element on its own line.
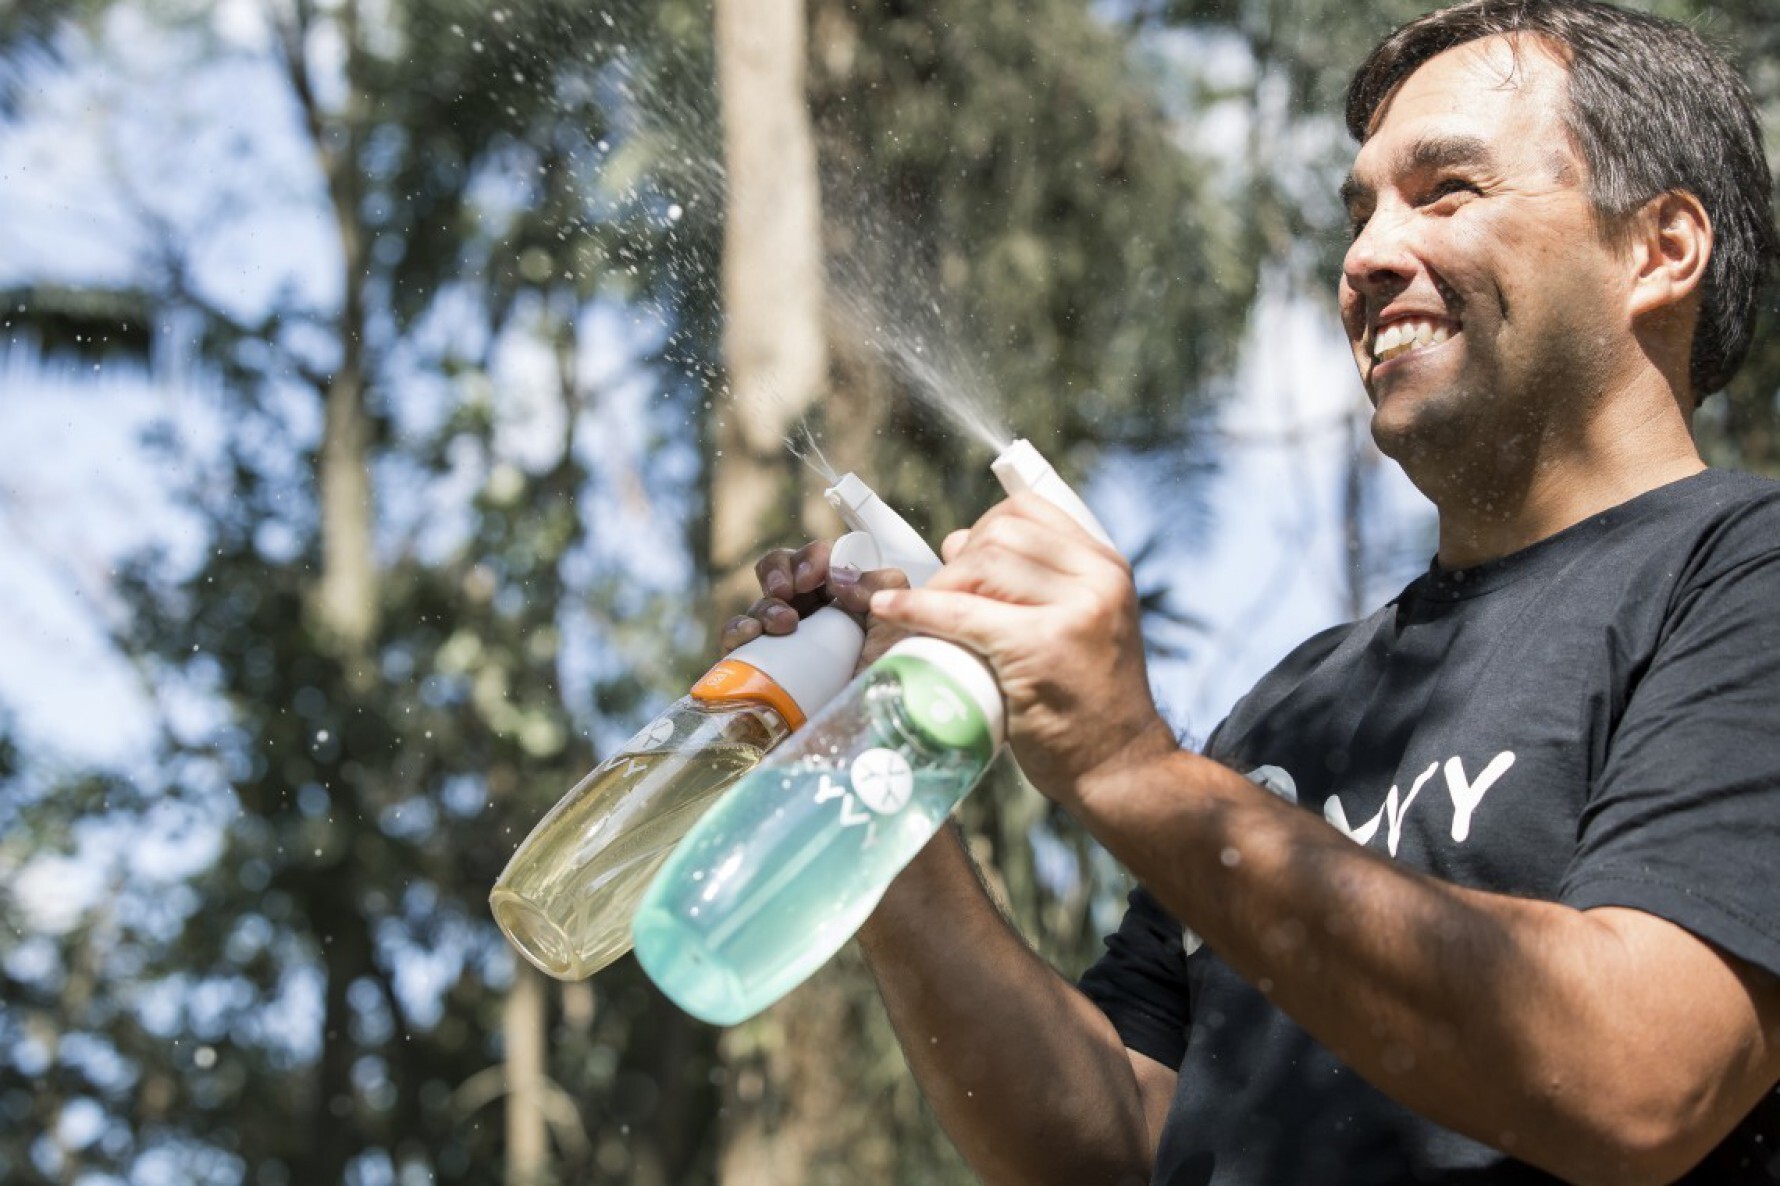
<point x="1481" y="302"/>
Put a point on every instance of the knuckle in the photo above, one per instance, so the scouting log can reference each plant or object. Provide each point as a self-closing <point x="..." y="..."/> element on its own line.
<point x="884" y="578"/>
<point x="999" y="532"/>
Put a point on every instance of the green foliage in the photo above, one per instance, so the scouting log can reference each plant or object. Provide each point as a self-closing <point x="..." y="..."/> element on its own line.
<point x="1014" y="222"/>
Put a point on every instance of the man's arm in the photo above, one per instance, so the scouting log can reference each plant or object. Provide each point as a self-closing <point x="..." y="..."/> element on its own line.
<point x="1026" y="1075"/>
<point x="1605" y="1045"/>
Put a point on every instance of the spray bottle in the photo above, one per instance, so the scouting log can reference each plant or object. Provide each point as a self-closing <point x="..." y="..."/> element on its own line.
<point x="781" y="873"/>
<point x="566" y="896"/>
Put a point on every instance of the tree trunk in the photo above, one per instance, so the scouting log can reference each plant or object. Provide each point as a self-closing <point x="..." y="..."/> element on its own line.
<point x="784" y="1086"/>
<point x="773" y="344"/>
<point x="522" y="1028"/>
<point x="344" y="599"/>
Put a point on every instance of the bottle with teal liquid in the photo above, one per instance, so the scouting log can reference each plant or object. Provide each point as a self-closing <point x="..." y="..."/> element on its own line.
<point x="791" y="861"/>
<point x="566" y="897"/>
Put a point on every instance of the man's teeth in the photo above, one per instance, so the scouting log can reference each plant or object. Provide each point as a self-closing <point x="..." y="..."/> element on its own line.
<point x="1400" y="337"/>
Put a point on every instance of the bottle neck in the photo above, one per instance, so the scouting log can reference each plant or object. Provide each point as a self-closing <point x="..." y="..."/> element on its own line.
<point x="925" y="696"/>
<point x="733" y="681"/>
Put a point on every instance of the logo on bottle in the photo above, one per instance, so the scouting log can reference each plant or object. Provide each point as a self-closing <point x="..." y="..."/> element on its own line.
<point x="652" y="735"/>
<point x="882" y="780"/>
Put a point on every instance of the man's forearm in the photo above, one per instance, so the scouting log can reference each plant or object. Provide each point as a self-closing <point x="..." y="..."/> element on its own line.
<point x="1026" y="1075"/>
<point x="1523" y="1024"/>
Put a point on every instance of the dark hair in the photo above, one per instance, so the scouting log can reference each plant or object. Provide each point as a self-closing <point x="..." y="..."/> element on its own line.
<point x="1653" y="110"/>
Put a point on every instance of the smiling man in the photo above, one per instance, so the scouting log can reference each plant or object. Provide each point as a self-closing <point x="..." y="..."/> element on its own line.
<point x="1484" y="888"/>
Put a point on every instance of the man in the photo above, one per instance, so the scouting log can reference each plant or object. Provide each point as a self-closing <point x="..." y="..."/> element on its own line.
<point x="1523" y="917"/>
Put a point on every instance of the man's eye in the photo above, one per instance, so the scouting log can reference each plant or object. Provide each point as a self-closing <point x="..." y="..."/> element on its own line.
<point x="1355" y="224"/>
<point x="1449" y="186"/>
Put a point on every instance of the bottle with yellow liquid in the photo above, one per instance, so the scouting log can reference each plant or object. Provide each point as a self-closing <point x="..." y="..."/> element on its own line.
<point x="777" y="877"/>
<point x="566" y="898"/>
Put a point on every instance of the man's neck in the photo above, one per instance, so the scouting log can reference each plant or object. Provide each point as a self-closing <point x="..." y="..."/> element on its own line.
<point x="1629" y="447"/>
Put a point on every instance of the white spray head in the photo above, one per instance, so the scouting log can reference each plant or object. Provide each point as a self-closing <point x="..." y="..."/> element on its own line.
<point x="1021" y="468"/>
<point x="899" y="545"/>
<point x="814" y="662"/>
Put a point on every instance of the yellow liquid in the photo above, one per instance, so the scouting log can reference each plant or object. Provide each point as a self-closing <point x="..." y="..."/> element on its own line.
<point x="567" y="897"/>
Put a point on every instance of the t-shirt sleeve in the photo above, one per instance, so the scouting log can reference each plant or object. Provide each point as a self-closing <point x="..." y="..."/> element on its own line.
<point x="1140" y="983"/>
<point x="1684" y="822"/>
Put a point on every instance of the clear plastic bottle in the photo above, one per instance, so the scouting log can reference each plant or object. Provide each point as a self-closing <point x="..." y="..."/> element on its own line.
<point x="787" y="866"/>
<point x="566" y="897"/>
<point x="781" y="873"/>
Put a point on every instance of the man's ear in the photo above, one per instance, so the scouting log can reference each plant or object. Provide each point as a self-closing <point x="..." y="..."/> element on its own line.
<point x="1671" y="241"/>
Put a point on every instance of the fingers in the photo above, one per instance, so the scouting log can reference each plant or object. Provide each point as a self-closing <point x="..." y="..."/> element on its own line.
<point x="809" y="566"/>
<point x="797" y="584"/>
<point x="852" y="590"/>
<point x="784" y="574"/>
<point x="738" y="630"/>
<point x="963" y="618"/>
<point x="774" y="570"/>
<point x="1027" y="552"/>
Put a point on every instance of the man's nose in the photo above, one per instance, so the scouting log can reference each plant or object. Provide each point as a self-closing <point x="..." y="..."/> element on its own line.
<point x="1379" y="262"/>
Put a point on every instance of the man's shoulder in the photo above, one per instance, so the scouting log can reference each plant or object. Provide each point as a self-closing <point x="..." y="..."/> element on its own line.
<point x="1722" y="518"/>
<point x="1717" y="490"/>
<point x="1319" y="647"/>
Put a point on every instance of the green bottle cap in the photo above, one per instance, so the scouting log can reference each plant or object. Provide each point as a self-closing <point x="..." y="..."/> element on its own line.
<point x="945" y="710"/>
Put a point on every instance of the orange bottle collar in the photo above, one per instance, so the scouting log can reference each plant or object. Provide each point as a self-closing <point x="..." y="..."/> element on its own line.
<point x="733" y="679"/>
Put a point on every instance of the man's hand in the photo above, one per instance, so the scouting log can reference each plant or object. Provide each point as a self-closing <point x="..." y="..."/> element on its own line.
<point x="798" y="583"/>
<point x="1055" y="614"/>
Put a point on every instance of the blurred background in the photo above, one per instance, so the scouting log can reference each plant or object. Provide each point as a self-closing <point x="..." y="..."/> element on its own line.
<point x="393" y="397"/>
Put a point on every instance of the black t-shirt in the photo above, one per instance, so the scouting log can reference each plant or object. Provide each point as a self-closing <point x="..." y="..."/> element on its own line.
<point x="1594" y="720"/>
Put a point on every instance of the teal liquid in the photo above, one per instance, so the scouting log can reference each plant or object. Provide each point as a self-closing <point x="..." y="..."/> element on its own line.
<point x="784" y="870"/>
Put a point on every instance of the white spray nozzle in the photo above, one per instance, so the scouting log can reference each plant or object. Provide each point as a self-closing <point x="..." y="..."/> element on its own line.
<point x="856" y="549"/>
<point x="1021" y="468"/>
<point x="899" y="545"/>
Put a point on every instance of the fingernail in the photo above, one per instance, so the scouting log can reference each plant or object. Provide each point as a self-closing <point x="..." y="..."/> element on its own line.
<point x="882" y="600"/>
<point x="782" y="615"/>
<point x="843" y="577"/>
<point x="777" y="585"/>
<point x="804" y="572"/>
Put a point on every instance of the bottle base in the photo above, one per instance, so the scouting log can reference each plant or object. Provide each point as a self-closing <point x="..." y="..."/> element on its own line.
<point x="677" y="960"/>
<point x="538" y="938"/>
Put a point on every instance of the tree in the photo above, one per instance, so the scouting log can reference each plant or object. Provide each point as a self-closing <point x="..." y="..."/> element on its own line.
<point x="382" y="689"/>
<point x="961" y="263"/>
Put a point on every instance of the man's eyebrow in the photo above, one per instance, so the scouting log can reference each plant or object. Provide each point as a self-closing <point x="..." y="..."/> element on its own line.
<point x="1427" y="155"/>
